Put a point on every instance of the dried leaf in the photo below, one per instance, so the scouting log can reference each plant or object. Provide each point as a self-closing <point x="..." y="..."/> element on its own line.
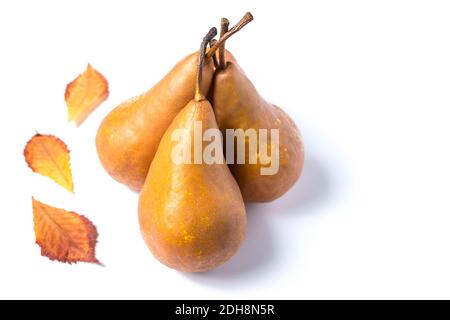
<point x="49" y="156"/>
<point x="85" y="93"/>
<point x="63" y="235"/>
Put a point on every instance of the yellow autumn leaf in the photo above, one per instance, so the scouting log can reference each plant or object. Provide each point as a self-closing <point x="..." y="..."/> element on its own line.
<point x="85" y="93"/>
<point x="49" y="156"/>
<point x="64" y="235"/>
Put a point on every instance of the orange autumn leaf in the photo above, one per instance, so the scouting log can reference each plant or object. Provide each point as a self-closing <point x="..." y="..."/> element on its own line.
<point x="85" y="93"/>
<point x="63" y="235"/>
<point x="49" y="156"/>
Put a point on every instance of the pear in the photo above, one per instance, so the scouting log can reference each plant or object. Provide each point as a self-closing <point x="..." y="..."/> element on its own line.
<point x="129" y="136"/>
<point x="192" y="215"/>
<point x="238" y="105"/>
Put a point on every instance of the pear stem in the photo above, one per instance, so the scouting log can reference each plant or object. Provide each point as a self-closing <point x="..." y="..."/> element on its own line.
<point x="244" y="21"/>
<point x="201" y="59"/>
<point x="224" y="25"/>
<point x="214" y="58"/>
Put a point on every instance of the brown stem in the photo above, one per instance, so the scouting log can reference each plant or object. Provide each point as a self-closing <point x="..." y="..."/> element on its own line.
<point x="224" y="24"/>
<point x="245" y="20"/>
<point x="201" y="58"/>
<point x="214" y="58"/>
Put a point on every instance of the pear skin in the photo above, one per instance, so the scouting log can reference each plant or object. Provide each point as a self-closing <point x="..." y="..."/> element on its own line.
<point x="238" y="105"/>
<point x="129" y="136"/>
<point x="192" y="216"/>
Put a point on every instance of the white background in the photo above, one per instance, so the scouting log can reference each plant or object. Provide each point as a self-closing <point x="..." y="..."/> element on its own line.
<point x="368" y="83"/>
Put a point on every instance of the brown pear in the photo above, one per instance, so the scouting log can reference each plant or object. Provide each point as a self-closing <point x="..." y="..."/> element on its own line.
<point x="128" y="137"/>
<point x="238" y="105"/>
<point x="192" y="215"/>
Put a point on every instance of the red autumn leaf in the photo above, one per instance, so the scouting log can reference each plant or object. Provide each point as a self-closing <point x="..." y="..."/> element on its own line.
<point x="85" y="93"/>
<point x="64" y="235"/>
